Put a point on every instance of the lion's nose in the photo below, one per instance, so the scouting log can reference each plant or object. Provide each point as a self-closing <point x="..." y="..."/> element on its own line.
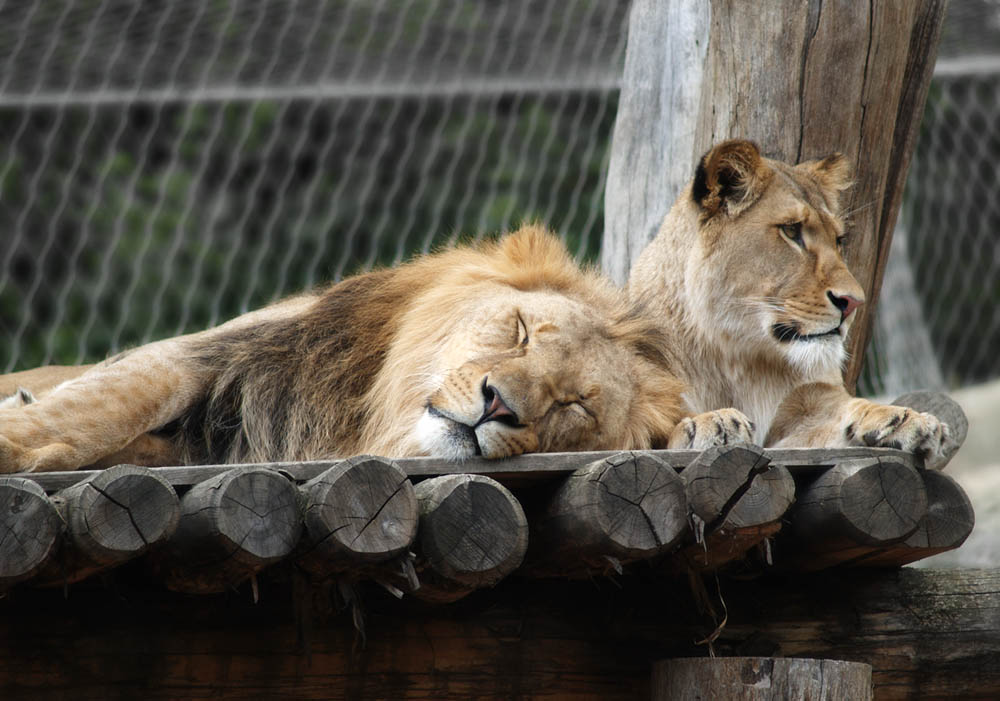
<point x="845" y="303"/>
<point x="495" y="407"/>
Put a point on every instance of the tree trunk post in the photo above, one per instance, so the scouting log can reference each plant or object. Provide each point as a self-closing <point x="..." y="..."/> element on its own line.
<point x="803" y="80"/>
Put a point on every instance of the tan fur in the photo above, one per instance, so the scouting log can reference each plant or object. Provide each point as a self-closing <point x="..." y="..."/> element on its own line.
<point x="395" y="362"/>
<point x="747" y="306"/>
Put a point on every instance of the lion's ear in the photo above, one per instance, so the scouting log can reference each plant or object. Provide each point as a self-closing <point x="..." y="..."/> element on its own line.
<point x="833" y="174"/>
<point x="730" y="178"/>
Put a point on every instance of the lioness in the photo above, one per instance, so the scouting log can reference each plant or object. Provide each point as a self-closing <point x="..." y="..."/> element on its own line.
<point x="494" y="351"/>
<point x="747" y="279"/>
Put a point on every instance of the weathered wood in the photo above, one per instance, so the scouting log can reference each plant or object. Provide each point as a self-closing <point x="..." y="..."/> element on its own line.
<point x="472" y="534"/>
<point x="948" y="522"/>
<point x="761" y="679"/>
<point x="850" y="510"/>
<point x="523" y="469"/>
<point x="231" y="527"/>
<point x="360" y="512"/>
<point x="30" y="526"/>
<point x="926" y="633"/>
<point x="627" y="507"/>
<point x="737" y="500"/>
<point x="700" y="72"/>
<point x="736" y="485"/>
<point x="945" y="409"/>
<point x="112" y="517"/>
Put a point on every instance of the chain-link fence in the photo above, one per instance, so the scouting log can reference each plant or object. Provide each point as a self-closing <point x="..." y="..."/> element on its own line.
<point x="164" y="166"/>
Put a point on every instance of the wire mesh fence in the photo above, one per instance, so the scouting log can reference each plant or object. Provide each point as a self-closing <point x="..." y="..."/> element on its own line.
<point x="164" y="166"/>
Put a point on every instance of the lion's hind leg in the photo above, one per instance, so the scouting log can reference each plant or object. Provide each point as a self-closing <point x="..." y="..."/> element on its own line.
<point x="103" y="411"/>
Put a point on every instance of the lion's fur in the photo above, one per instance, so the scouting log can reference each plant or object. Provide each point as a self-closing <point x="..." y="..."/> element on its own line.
<point x="352" y="369"/>
<point x="748" y="307"/>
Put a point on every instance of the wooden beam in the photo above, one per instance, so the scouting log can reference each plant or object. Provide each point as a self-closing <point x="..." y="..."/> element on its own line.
<point x="472" y="534"/>
<point x="520" y="470"/>
<point x="231" y="527"/>
<point x="623" y="508"/>
<point x="926" y="633"/>
<point x="112" y="517"/>
<point x="30" y="526"/>
<point x="360" y="512"/>
<point x="850" y="510"/>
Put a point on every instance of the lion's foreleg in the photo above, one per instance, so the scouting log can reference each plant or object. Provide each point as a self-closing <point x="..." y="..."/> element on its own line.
<point x="102" y="411"/>
<point x="822" y="415"/>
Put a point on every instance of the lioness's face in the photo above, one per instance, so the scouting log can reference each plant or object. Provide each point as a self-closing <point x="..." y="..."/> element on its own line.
<point x="539" y="373"/>
<point x="774" y="271"/>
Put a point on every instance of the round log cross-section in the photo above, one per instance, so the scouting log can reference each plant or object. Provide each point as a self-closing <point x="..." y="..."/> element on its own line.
<point x="472" y="534"/>
<point x="761" y="679"/>
<point x="29" y="529"/>
<point x="232" y="526"/>
<point x="627" y="507"/>
<point x="361" y="511"/>
<point x="113" y="516"/>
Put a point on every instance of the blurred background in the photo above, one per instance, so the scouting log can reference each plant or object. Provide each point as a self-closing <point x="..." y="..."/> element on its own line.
<point x="167" y="165"/>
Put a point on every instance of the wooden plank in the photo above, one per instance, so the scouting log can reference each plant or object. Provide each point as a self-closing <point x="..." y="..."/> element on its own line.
<point x="523" y="468"/>
<point x="926" y="633"/>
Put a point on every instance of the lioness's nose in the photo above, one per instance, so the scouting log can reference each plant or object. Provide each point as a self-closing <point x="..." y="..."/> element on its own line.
<point x="495" y="407"/>
<point x="845" y="303"/>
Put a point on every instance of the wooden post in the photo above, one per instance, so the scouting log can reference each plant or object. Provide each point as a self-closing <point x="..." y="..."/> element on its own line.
<point x="850" y="510"/>
<point x="761" y="679"/>
<point x="801" y="79"/>
<point x="627" y="507"/>
<point x="232" y="526"/>
<point x="472" y="534"/>
<point x="359" y="512"/>
<point x="112" y="517"/>
<point x="737" y="498"/>
<point x="30" y="526"/>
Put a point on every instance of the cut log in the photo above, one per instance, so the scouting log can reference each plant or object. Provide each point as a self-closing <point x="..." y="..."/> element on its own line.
<point x="30" y="526"/>
<point x="945" y="409"/>
<point x="627" y="507"/>
<point x="737" y="498"/>
<point x="231" y="527"/>
<point x="112" y="517"/>
<point x="359" y="512"/>
<point x="761" y="679"/>
<point x="850" y="510"/>
<point x="948" y="522"/>
<point x="472" y="534"/>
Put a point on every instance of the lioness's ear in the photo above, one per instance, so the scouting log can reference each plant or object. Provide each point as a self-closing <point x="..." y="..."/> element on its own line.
<point x="730" y="178"/>
<point x="833" y="174"/>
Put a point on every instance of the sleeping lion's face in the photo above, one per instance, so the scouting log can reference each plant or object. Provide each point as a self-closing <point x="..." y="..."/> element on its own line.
<point x="541" y="372"/>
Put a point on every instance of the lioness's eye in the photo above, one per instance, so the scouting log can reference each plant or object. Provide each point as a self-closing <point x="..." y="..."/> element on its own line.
<point x="793" y="232"/>
<point x="522" y="332"/>
<point x="841" y="240"/>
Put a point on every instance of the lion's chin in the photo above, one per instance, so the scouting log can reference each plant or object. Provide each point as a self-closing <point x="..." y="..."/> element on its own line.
<point x="816" y="357"/>
<point x="442" y="437"/>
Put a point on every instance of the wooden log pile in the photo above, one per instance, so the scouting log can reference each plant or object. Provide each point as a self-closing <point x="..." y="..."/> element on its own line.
<point x="442" y="530"/>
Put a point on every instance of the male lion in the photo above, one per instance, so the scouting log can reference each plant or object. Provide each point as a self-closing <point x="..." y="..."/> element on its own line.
<point x="747" y="279"/>
<point x="497" y="350"/>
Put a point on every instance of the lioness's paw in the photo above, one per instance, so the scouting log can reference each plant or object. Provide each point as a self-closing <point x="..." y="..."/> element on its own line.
<point x="887" y="426"/>
<point x="719" y="427"/>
